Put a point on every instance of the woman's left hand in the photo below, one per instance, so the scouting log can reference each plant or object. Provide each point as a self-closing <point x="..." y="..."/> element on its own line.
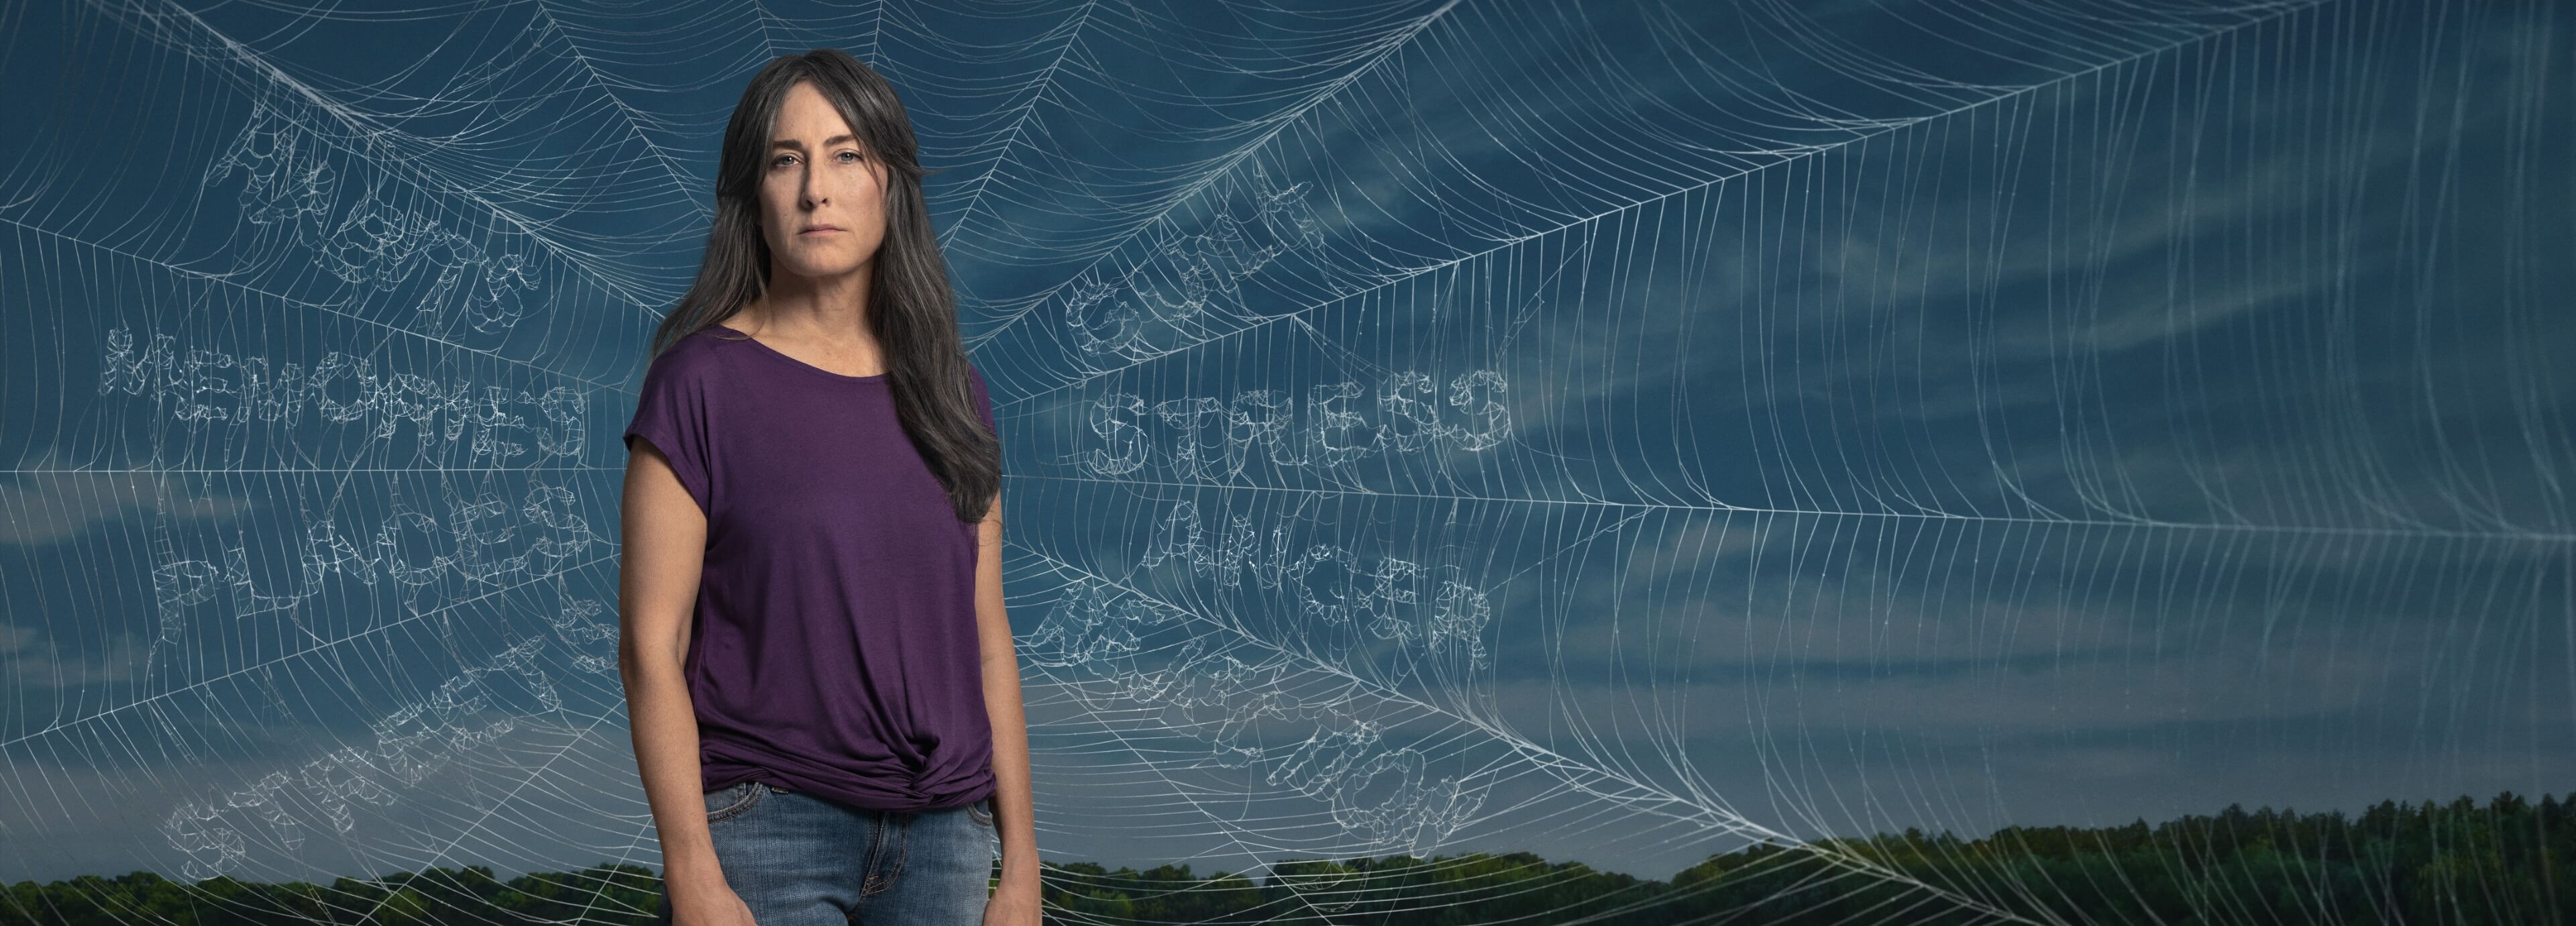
<point x="1012" y="907"/>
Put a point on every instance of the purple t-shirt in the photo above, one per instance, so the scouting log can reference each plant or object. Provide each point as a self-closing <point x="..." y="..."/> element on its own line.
<point x="834" y="648"/>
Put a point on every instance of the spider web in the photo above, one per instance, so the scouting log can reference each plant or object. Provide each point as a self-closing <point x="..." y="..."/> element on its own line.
<point x="1624" y="432"/>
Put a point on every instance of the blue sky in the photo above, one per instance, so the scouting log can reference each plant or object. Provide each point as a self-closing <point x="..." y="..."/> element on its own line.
<point x="1872" y="416"/>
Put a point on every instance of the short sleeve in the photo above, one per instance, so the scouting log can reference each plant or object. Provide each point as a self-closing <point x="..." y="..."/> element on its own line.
<point x="671" y="412"/>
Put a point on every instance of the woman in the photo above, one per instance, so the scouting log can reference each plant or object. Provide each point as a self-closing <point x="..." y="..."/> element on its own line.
<point x="822" y="685"/>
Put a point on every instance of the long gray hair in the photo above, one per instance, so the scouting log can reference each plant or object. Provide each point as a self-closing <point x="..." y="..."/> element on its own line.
<point x="910" y="306"/>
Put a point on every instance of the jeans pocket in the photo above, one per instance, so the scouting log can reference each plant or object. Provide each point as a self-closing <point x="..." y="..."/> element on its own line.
<point x="981" y="811"/>
<point x="726" y="803"/>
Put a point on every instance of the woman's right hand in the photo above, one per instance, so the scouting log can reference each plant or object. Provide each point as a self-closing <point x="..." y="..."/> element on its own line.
<point x="713" y="905"/>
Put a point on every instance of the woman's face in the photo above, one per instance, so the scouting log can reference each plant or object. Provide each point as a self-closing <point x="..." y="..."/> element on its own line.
<point x="822" y="196"/>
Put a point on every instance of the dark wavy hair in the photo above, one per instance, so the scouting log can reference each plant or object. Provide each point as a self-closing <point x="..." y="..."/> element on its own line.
<point x="910" y="306"/>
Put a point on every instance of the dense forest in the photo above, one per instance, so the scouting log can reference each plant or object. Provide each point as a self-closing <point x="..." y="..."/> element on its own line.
<point x="2509" y="862"/>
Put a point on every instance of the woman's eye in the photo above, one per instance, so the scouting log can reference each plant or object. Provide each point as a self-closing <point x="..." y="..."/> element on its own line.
<point x="781" y="160"/>
<point x="851" y="157"/>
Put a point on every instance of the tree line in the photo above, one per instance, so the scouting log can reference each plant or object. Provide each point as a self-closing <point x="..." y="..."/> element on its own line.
<point x="2507" y="862"/>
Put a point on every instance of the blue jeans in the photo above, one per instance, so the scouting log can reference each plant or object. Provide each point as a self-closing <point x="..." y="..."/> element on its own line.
<point x="799" y="860"/>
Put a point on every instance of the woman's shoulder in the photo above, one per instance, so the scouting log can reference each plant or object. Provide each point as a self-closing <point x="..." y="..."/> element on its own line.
<point x="692" y="355"/>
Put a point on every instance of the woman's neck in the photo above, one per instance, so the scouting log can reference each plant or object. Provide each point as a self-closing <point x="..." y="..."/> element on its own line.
<point x="825" y="311"/>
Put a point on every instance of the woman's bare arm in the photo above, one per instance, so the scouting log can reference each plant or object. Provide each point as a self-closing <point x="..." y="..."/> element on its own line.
<point x="1013" y="805"/>
<point x="663" y="546"/>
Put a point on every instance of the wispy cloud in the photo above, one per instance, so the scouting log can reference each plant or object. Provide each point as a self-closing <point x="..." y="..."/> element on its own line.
<point x="51" y="506"/>
<point x="32" y="660"/>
